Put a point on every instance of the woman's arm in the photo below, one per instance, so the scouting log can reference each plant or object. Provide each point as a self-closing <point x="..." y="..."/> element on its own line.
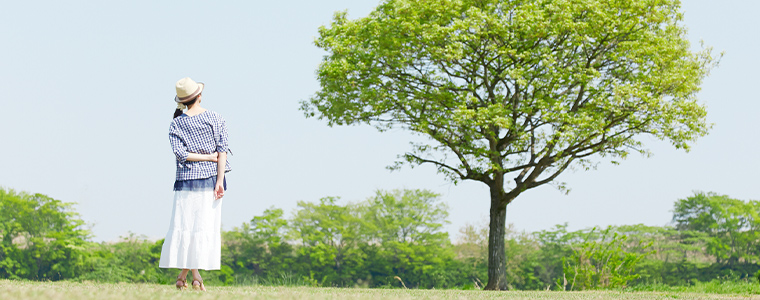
<point x="221" y="163"/>
<point x="180" y="149"/>
<point x="201" y="157"/>
<point x="178" y="146"/>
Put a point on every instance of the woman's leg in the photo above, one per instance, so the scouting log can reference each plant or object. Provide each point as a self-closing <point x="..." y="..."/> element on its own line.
<point x="197" y="278"/>
<point x="181" y="279"/>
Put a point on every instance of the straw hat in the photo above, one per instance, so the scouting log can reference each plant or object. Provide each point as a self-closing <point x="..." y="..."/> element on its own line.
<point x="187" y="90"/>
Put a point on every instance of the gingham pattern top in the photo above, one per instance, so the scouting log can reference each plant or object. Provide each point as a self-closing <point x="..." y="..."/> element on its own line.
<point x="204" y="133"/>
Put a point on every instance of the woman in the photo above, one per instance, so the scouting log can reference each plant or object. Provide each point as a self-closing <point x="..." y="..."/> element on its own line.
<point x="199" y="140"/>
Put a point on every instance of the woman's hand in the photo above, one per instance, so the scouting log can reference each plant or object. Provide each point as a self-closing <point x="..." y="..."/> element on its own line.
<point x="220" y="165"/>
<point x="219" y="190"/>
<point x="213" y="157"/>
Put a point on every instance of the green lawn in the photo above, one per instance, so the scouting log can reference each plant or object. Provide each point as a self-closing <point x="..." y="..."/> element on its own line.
<point x="12" y="290"/>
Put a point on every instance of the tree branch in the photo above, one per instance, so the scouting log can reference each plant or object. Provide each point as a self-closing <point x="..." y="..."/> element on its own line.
<point x="440" y="165"/>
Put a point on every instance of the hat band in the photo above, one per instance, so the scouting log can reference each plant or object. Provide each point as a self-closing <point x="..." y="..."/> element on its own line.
<point x="197" y="91"/>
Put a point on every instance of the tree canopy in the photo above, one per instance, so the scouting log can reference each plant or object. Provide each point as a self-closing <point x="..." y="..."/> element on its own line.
<point x="732" y="225"/>
<point x="40" y="237"/>
<point x="510" y="86"/>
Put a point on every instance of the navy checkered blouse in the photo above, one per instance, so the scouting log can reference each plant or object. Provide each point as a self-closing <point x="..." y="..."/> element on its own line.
<point x="204" y="133"/>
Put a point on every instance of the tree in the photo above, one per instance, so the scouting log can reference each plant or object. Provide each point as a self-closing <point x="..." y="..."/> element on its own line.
<point x="512" y="93"/>
<point x="733" y="226"/>
<point x="407" y="216"/>
<point x="405" y="229"/>
<point x="40" y="238"/>
<point x="329" y="234"/>
<point x="259" y="247"/>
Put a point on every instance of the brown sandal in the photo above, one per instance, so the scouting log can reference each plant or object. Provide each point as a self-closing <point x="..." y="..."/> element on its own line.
<point x="200" y="286"/>
<point x="181" y="283"/>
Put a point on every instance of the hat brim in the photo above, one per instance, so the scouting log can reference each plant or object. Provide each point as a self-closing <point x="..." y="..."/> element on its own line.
<point x="191" y="97"/>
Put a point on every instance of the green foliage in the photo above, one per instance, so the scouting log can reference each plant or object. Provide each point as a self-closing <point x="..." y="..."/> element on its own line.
<point x="131" y="259"/>
<point x="40" y="238"/>
<point x="369" y="243"/>
<point x="135" y="259"/>
<point x="406" y="216"/>
<point x="732" y="226"/>
<point x="258" y="249"/>
<point x="330" y="235"/>
<point x="404" y="228"/>
<point x="519" y="87"/>
<point x="397" y="236"/>
<point x="601" y="262"/>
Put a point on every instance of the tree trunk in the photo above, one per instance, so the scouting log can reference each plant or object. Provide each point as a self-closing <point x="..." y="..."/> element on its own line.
<point x="497" y="257"/>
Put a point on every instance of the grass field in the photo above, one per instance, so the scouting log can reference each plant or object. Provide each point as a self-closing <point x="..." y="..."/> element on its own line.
<point x="13" y="290"/>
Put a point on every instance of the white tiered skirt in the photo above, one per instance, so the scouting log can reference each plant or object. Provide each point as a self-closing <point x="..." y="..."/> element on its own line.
<point x="194" y="239"/>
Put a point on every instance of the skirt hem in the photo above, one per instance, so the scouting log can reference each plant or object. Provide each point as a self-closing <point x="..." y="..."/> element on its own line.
<point x="191" y="268"/>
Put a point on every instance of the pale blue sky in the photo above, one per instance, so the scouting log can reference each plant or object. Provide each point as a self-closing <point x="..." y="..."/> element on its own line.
<point x="86" y="101"/>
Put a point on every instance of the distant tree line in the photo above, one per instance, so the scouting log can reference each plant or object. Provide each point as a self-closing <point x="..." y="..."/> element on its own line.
<point x="396" y="239"/>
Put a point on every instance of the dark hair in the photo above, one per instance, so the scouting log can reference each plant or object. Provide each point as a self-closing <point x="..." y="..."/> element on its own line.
<point x="178" y="112"/>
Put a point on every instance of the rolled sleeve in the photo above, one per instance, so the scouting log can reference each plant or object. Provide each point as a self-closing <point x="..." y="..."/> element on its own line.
<point x="221" y="141"/>
<point x="178" y="146"/>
